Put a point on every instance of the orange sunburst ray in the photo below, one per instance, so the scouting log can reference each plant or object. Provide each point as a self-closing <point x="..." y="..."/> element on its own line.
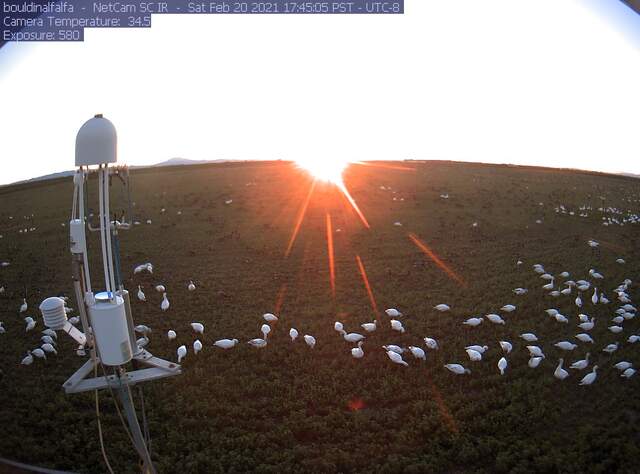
<point x="432" y="255"/>
<point x="383" y="165"/>
<point x="332" y="268"/>
<point x="345" y="192"/>
<point x="300" y="218"/>
<point x="280" y="297"/>
<point x="445" y="413"/>
<point x="365" y="279"/>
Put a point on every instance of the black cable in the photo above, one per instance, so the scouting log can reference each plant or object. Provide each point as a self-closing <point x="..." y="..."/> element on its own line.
<point x="145" y="426"/>
<point x="115" y="401"/>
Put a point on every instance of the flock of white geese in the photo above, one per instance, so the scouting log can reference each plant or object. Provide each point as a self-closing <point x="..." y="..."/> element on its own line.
<point x="588" y="292"/>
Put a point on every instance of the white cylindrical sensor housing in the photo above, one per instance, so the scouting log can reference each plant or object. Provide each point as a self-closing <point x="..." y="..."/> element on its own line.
<point x="109" y="323"/>
<point x="53" y="313"/>
<point x="96" y="142"/>
<point x="77" y="236"/>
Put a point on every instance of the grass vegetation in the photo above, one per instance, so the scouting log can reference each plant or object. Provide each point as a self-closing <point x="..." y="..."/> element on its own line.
<point x="287" y="408"/>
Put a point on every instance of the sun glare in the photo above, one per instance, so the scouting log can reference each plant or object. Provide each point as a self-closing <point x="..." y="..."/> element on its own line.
<point x="325" y="169"/>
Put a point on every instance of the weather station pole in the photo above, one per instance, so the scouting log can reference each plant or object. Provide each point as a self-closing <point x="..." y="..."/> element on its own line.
<point x="106" y="316"/>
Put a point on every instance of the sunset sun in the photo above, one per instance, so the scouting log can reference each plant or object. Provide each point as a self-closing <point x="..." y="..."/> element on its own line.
<point x="325" y="169"/>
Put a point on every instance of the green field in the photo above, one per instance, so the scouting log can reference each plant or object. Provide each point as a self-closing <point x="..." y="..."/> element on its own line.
<point x="289" y="408"/>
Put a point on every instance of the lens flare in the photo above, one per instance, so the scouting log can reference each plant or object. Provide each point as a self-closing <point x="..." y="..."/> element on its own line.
<point x="330" y="170"/>
<point x="325" y="169"/>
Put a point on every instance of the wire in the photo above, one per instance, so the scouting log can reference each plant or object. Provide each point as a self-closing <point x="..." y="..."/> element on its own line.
<point x="103" y="238"/>
<point x="145" y="426"/>
<point x="75" y="199"/>
<point x="104" y="452"/>
<point x="107" y="218"/>
<point x="81" y="212"/>
<point x="115" y="401"/>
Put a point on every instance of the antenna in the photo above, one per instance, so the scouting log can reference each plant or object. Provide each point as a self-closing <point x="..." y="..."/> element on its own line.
<point x="107" y="321"/>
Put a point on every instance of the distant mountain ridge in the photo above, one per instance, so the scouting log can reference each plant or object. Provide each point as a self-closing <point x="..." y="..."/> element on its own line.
<point x="170" y="162"/>
<point x="182" y="161"/>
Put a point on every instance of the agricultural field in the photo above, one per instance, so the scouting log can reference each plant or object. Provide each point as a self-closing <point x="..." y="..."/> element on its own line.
<point x="257" y="238"/>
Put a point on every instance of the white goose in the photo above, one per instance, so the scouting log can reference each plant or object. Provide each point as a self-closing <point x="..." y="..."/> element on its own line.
<point x="226" y="343"/>
<point x="269" y="317"/>
<point x="473" y="322"/>
<point x="23" y="306"/>
<point x="565" y="345"/>
<point x="535" y="351"/>
<point x="369" y="327"/>
<point x="258" y="343"/>
<point x="265" y="329"/>
<point x="49" y="348"/>
<point x="431" y="343"/>
<point x="588" y="326"/>
<point x="561" y="318"/>
<point x="480" y="349"/>
<point x="628" y="373"/>
<point x="474" y="356"/>
<point x="352" y="337"/>
<point x="506" y="346"/>
<point x="442" y="307"/>
<point x="396" y="358"/>
<point x="560" y="373"/>
<point x="171" y="334"/>
<point x="495" y="319"/>
<point x="165" y="302"/>
<point x="310" y="340"/>
<point x="142" y="329"/>
<point x="623" y="365"/>
<point x="417" y="352"/>
<point x="397" y="325"/>
<point x="393" y="313"/>
<point x="502" y="365"/>
<point x="39" y="353"/>
<point x="393" y="348"/>
<point x="357" y="352"/>
<point x="31" y="323"/>
<point x="182" y="353"/>
<point x="584" y="337"/>
<point x="581" y="364"/>
<point x="28" y="360"/>
<point x="197" y="346"/>
<point x="293" y="334"/>
<point x="457" y="369"/>
<point x="191" y="286"/>
<point x="141" y="295"/>
<point x="583" y="318"/>
<point x="590" y="377"/>
<point x="534" y="362"/>
<point x="198" y="327"/>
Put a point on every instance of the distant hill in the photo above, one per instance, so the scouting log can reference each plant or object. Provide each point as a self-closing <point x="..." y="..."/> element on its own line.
<point x="184" y="161"/>
<point x="170" y="162"/>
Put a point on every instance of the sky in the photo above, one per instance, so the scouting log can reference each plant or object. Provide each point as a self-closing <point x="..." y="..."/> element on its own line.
<point x="539" y="82"/>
